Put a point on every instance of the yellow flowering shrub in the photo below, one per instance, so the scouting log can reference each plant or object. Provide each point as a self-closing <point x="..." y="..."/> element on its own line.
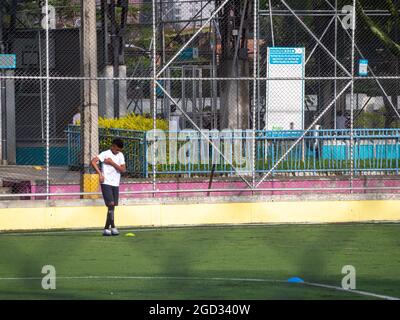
<point x="132" y="122"/>
<point x="134" y="149"/>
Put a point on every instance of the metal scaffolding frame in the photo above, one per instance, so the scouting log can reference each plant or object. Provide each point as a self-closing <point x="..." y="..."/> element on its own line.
<point x="162" y="66"/>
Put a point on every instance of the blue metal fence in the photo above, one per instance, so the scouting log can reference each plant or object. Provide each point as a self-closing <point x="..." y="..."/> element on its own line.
<point x="329" y="151"/>
<point x="188" y="152"/>
<point x="134" y="148"/>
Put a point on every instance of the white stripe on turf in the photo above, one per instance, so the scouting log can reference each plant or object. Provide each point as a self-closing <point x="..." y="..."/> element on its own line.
<point x="364" y="293"/>
<point x="311" y="284"/>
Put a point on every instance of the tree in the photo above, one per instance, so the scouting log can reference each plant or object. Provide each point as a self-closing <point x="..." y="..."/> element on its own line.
<point x="235" y="19"/>
<point x="387" y="33"/>
<point x="383" y="33"/>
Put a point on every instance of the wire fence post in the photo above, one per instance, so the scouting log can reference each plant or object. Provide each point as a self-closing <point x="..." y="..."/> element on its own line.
<point x="153" y="91"/>
<point x="352" y="100"/>
<point x="89" y="108"/>
<point x="255" y="86"/>
<point x="47" y="157"/>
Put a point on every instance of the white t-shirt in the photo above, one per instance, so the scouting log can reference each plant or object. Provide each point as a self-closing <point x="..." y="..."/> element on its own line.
<point x="111" y="175"/>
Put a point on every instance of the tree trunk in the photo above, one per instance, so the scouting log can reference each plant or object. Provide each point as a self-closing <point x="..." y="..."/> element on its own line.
<point x="235" y="100"/>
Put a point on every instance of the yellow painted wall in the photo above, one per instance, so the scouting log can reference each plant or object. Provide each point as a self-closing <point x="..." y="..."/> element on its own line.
<point x="201" y="214"/>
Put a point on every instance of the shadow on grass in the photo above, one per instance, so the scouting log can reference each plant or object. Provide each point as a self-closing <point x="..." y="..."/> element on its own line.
<point x="315" y="253"/>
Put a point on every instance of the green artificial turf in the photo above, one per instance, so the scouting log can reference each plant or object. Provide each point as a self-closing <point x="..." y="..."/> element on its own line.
<point x="316" y="253"/>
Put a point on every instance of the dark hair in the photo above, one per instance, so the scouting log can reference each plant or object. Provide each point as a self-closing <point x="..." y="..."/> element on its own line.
<point x="118" y="142"/>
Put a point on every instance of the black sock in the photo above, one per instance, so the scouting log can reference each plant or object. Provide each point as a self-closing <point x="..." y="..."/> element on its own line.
<point x="110" y="218"/>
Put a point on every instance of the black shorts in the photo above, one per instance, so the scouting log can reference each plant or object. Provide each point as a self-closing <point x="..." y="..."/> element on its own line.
<point x="110" y="194"/>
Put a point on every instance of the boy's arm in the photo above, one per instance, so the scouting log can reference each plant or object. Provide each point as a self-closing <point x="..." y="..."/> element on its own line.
<point x="122" y="165"/>
<point x="95" y="160"/>
<point x="121" y="168"/>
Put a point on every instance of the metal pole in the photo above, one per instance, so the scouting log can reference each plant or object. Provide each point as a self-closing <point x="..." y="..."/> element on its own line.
<point x="47" y="103"/>
<point x="255" y="100"/>
<point x="153" y="91"/>
<point x="1" y="88"/>
<point x="214" y="108"/>
<point x="258" y="73"/>
<point x="1" y="117"/>
<point x="41" y="84"/>
<point x="335" y="71"/>
<point x="89" y="111"/>
<point x="239" y="36"/>
<point x="115" y="45"/>
<point x="352" y="96"/>
<point x="346" y="78"/>
<point x="271" y="22"/>
<point x="165" y="107"/>
<point x="104" y="13"/>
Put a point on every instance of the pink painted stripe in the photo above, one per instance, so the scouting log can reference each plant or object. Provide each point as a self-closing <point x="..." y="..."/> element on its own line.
<point x="311" y="183"/>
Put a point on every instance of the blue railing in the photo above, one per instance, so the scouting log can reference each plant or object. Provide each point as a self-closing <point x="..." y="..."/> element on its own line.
<point x="318" y="152"/>
<point x="329" y="151"/>
<point x="134" y="147"/>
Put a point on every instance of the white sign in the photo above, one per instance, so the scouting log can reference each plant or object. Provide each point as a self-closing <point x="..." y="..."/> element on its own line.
<point x="8" y="61"/>
<point x="285" y="98"/>
<point x="363" y="68"/>
<point x="49" y="17"/>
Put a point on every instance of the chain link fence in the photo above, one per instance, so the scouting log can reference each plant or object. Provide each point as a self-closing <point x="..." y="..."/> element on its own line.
<point x="221" y="97"/>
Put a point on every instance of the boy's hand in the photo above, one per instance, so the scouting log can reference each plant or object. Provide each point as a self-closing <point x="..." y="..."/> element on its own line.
<point x="110" y="162"/>
<point x="101" y="178"/>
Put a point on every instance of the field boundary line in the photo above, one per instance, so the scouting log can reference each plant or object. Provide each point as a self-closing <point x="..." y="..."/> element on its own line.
<point x="310" y="284"/>
<point x="364" y="293"/>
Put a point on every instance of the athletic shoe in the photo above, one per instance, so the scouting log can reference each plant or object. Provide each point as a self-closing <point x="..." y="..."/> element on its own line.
<point x="106" y="232"/>
<point x="114" y="231"/>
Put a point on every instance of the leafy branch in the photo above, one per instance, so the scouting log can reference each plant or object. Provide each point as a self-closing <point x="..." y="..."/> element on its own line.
<point x="378" y="31"/>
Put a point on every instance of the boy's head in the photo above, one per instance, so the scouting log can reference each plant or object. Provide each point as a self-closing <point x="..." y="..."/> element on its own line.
<point x="117" y="145"/>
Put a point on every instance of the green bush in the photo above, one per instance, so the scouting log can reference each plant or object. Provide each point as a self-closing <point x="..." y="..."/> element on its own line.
<point x="132" y="122"/>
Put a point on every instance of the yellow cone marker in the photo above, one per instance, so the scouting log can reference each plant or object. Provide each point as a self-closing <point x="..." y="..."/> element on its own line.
<point x="130" y="234"/>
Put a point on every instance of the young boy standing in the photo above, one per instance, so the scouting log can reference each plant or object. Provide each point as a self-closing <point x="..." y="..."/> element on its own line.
<point x="113" y="164"/>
